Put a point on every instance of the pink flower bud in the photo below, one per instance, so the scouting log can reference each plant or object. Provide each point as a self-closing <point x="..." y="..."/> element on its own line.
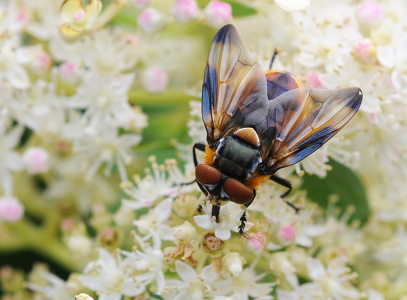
<point x="79" y="16"/>
<point x="287" y="234"/>
<point x="43" y="62"/>
<point x="313" y="80"/>
<point x="155" y="79"/>
<point x="11" y="209"/>
<point x="150" y="20"/>
<point x="23" y="15"/>
<point x="370" y="14"/>
<point x="36" y="160"/>
<point x="256" y="242"/>
<point x="218" y="13"/>
<point x="185" y="10"/>
<point x="364" y="51"/>
<point x="69" y="72"/>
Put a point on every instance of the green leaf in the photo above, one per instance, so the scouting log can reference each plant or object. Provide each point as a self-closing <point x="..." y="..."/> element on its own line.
<point x="343" y="183"/>
<point x="241" y="10"/>
<point x="238" y="9"/>
<point x="126" y="18"/>
<point x="168" y="114"/>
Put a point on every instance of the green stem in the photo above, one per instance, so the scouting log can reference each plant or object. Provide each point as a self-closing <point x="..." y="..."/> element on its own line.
<point x="24" y="235"/>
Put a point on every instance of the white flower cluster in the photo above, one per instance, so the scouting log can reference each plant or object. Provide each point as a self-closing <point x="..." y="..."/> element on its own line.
<point x="63" y="102"/>
<point x="68" y="76"/>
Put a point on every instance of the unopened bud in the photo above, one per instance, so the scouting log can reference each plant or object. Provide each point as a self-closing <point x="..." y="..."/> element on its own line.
<point x="184" y="233"/>
<point x="233" y="262"/>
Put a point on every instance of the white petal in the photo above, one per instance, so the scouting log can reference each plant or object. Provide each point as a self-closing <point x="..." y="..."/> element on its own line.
<point x="209" y="275"/>
<point x="222" y="233"/>
<point x="315" y="268"/>
<point x="370" y="104"/>
<point x="203" y="221"/>
<point x="165" y="232"/>
<point x="163" y="210"/>
<point x="293" y="4"/>
<point x="18" y="77"/>
<point x="292" y="280"/>
<point x="303" y="241"/>
<point x="185" y="271"/>
<point x="315" y="230"/>
<point x="374" y="295"/>
<point x="385" y="55"/>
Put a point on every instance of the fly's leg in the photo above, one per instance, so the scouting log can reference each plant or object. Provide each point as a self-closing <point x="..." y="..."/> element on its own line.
<point x="200" y="147"/>
<point x="287" y="184"/>
<point x="242" y="225"/>
<point x="243" y="218"/>
<point x="273" y="59"/>
<point x="215" y="212"/>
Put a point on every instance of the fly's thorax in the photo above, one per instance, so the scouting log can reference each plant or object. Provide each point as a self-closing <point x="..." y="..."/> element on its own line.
<point x="237" y="156"/>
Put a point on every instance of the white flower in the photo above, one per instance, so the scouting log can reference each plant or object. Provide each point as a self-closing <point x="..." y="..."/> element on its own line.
<point x="244" y="286"/>
<point x="45" y="25"/>
<point x="393" y="253"/>
<point x="105" y="100"/>
<point x="331" y="283"/>
<point x="304" y="291"/>
<point x="13" y="70"/>
<point x="111" y="276"/>
<point x="109" y="148"/>
<point x="55" y="288"/>
<point x="293" y="4"/>
<point x="105" y="52"/>
<point x="160" y="181"/>
<point x="229" y="219"/>
<point x="41" y="109"/>
<point x="320" y="43"/>
<point x="192" y="285"/>
<point x="353" y="75"/>
<point x="149" y="262"/>
<point x="155" y="220"/>
<point x="10" y="160"/>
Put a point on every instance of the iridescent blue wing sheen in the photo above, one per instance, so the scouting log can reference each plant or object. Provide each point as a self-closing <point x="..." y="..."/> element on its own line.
<point x="234" y="92"/>
<point x="300" y="121"/>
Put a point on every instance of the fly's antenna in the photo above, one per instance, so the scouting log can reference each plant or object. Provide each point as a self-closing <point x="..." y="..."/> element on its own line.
<point x="273" y="58"/>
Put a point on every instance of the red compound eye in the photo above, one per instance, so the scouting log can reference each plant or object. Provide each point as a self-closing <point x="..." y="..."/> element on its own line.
<point x="207" y="175"/>
<point x="237" y="191"/>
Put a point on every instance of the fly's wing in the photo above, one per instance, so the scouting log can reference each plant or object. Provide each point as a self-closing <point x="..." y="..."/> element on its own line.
<point x="279" y="82"/>
<point x="234" y="90"/>
<point x="301" y="120"/>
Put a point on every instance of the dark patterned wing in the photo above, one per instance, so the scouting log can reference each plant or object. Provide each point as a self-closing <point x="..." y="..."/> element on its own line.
<point x="301" y="120"/>
<point x="279" y="82"/>
<point x="234" y="90"/>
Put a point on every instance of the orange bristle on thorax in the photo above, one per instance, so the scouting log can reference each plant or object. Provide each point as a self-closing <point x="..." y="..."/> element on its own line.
<point x="209" y="155"/>
<point x="254" y="181"/>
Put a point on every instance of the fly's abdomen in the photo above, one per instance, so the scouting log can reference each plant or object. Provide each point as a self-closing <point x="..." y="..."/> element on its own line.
<point x="236" y="158"/>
